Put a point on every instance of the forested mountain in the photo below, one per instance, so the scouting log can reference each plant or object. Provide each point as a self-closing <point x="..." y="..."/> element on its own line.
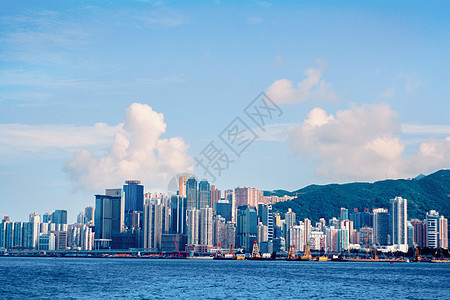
<point x="324" y="201"/>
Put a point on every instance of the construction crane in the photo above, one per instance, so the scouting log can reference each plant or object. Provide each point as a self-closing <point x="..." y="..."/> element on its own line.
<point x="231" y="250"/>
<point x="417" y="256"/>
<point x="307" y="255"/>
<point x="255" y="251"/>
<point x="291" y="253"/>
<point x="374" y="253"/>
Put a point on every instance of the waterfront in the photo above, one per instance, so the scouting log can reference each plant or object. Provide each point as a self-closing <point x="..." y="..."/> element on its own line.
<point x="159" y="279"/>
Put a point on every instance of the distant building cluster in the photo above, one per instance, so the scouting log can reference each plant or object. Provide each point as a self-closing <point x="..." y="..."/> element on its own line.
<point x="49" y="233"/>
<point x="199" y="218"/>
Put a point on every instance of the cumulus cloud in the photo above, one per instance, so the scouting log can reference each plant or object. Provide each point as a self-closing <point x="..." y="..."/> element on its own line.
<point x="312" y="87"/>
<point x="139" y="152"/>
<point x="363" y="143"/>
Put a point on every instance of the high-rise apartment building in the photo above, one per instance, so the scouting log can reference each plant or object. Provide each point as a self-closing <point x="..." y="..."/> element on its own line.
<point x="297" y="236"/>
<point x="347" y="227"/>
<point x="399" y="223"/>
<point x="262" y="234"/>
<point x="18" y="234"/>
<point x="182" y="185"/>
<point x="219" y="230"/>
<point x="192" y="225"/>
<point x="215" y="197"/>
<point x="436" y="230"/>
<point x="266" y="217"/>
<point x="153" y="225"/>
<point x="248" y="196"/>
<point x="344" y="214"/>
<point x="307" y="226"/>
<point x="230" y="197"/>
<point x="31" y="233"/>
<point x="420" y="237"/>
<point x="206" y="226"/>
<point x="443" y="232"/>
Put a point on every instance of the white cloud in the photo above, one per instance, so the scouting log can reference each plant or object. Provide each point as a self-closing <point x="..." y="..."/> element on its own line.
<point x="426" y="129"/>
<point x="138" y="152"/>
<point x="363" y="143"/>
<point x="312" y="87"/>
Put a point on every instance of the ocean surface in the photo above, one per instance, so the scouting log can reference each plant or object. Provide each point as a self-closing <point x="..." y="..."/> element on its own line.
<point x="91" y="278"/>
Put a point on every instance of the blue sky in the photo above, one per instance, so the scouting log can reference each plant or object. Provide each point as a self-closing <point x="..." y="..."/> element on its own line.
<point x="96" y="92"/>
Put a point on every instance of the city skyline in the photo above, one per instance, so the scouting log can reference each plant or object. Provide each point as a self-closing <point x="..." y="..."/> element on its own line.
<point x="247" y="217"/>
<point x="95" y="94"/>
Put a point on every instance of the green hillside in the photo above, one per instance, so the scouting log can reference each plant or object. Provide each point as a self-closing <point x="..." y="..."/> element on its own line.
<point x="324" y="201"/>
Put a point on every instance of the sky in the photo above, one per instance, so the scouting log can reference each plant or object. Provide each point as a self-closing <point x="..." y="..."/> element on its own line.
<point x="262" y="94"/>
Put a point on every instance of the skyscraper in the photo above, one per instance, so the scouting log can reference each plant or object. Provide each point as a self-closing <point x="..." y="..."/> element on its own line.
<point x="436" y="230"/>
<point x="108" y="216"/>
<point x="443" y="232"/>
<point x="224" y="209"/>
<point x="192" y="225"/>
<point x="262" y="234"/>
<point x="32" y="231"/>
<point x="229" y="195"/>
<point x="219" y="230"/>
<point x="206" y="226"/>
<point x="381" y="226"/>
<point x="266" y="218"/>
<point x="191" y="192"/>
<point x="204" y="194"/>
<point x="246" y="229"/>
<point x="344" y="214"/>
<point x="59" y="216"/>
<point x="178" y="207"/>
<point x="47" y="218"/>
<point x="215" y="196"/>
<point x="399" y="223"/>
<point x="290" y="220"/>
<point x="247" y="196"/>
<point x="134" y="200"/>
<point x="89" y="215"/>
<point x="153" y="225"/>
<point x="420" y="238"/>
<point x="18" y="234"/>
<point x="182" y="185"/>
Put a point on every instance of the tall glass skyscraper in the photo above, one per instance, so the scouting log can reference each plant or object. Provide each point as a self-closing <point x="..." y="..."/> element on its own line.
<point x="191" y="192"/>
<point x="178" y="214"/>
<point x="134" y="200"/>
<point x="381" y="226"/>
<point x="59" y="216"/>
<point x="108" y="216"/>
<point x="204" y="194"/>
<point x="246" y="230"/>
